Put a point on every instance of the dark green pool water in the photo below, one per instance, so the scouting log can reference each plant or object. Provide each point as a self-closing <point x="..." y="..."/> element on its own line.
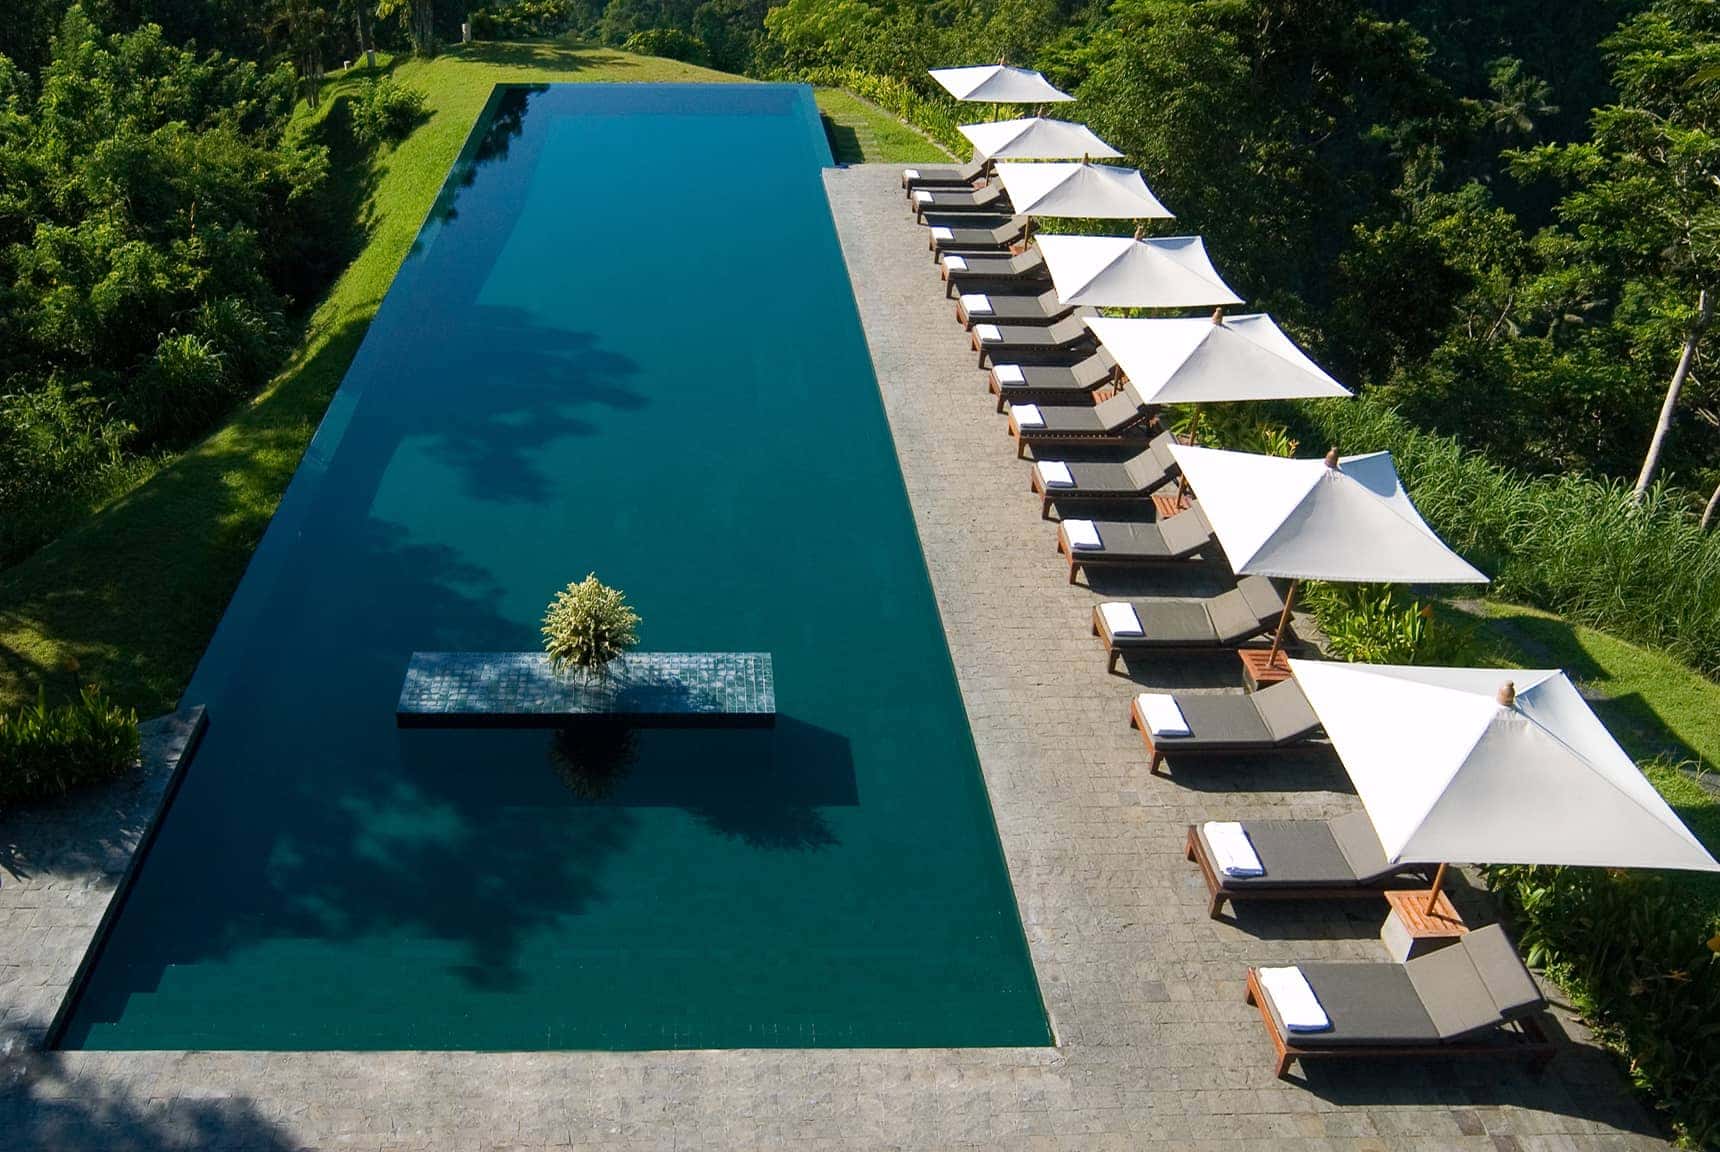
<point x="624" y="343"/>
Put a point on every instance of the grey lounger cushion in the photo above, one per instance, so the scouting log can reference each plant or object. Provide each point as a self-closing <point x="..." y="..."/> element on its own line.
<point x="1270" y="718"/>
<point x="1025" y="266"/>
<point x="1140" y="475"/>
<point x="1244" y="611"/>
<point x="1000" y="237"/>
<point x="1110" y="415"/>
<point x="960" y="200"/>
<point x="1371" y="1004"/>
<point x="945" y="174"/>
<point x="1024" y="309"/>
<point x="1080" y="378"/>
<point x="1311" y="853"/>
<point x="1181" y="536"/>
<point x="1069" y="330"/>
<point x="1458" y="993"/>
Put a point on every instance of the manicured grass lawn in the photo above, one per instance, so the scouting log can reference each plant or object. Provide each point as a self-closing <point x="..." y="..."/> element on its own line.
<point x="860" y="131"/>
<point x="131" y="595"/>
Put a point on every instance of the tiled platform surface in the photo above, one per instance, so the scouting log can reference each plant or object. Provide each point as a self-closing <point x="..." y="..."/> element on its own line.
<point x="1157" y="1048"/>
<point x="517" y="689"/>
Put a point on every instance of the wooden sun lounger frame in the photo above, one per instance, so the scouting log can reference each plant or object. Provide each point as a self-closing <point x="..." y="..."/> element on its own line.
<point x="1523" y="1039"/>
<point x="1218" y="893"/>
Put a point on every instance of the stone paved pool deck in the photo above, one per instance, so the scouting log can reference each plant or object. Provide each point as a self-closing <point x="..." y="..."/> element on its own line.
<point x="1156" y="1048"/>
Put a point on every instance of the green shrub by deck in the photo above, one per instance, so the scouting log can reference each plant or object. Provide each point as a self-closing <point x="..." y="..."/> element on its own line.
<point x="1573" y="545"/>
<point x="1643" y="967"/>
<point x="49" y="750"/>
<point x="668" y="43"/>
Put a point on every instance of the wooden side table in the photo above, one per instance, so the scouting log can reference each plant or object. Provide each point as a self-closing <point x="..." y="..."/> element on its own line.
<point x="1261" y="668"/>
<point x="1411" y="930"/>
<point x="1167" y="506"/>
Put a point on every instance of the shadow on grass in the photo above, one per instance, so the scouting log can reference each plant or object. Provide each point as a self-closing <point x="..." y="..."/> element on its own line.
<point x="135" y="593"/>
<point x="46" y="1105"/>
<point x="1551" y="642"/>
<point x="845" y="145"/>
<point x="546" y="55"/>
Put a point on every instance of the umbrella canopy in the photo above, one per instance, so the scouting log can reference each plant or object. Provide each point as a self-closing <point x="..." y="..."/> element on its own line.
<point x="998" y="84"/>
<point x="1080" y="189"/>
<point x="1035" y="139"/>
<point x="1117" y="272"/>
<point x="1190" y="361"/>
<point x="1451" y="765"/>
<point x="1334" y="519"/>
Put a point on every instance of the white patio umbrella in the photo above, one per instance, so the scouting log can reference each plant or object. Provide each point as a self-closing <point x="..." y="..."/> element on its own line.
<point x="1222" y="359"/>
<point x="1080" y="189"/>
<point x="998" y="84"/>
<point x="1035" y="139"/>
<point x="1488" y="765"/>
<point x="1345" y="519"/>
<point x="1120" y="272"/>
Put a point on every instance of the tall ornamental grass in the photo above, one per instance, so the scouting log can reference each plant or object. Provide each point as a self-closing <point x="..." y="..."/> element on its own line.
<point x="48" y="750"/>
<point x="1574" y="545"/>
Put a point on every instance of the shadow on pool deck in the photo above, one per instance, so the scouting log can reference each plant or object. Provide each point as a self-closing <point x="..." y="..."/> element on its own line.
<point x="45" y="1107"/>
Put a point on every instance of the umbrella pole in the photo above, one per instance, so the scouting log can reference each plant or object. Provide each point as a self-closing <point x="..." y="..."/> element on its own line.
<point x="1193" y="429"/>
<point x="1433" y="893"/>
<point x="1283" y="623"/>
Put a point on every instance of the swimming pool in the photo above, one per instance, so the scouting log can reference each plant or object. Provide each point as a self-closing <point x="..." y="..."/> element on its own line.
<point x="624" y="342"/>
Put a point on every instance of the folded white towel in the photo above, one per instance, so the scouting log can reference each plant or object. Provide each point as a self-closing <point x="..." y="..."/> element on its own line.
<point x="1082" y="534"/>
<point x="1294" y="998"/>
<point x="955" y="263"/>
<point x="988" y="333"/>
<point x="1234" y="851"/>
<point x="1009" y="374"/>
<point x="922" y="197"/>
<point x="977" y="304"/>
<point x="942" y="233"/>
<point x="1027" y="415"/>
<point x="911" y="173"/>
<point x="1054" y="473"/>
<point x="1162" y="715"/>
<point x="1121" y="619"/>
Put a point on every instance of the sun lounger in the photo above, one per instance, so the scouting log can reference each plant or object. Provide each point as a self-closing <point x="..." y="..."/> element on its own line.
<point x="953" y="238"/>
<point x="1139" y="476"/>
<point x="1470" y="998"/>
<point x="991" y="198"/>
<point x="1032" y="344"/>
<point x="1220" y="624"/>
<point x="1273" y="720"/>
<point x="1052" y="383"/>
<point x="1337" y="859"/>
<point x="994" y="308"/>
<point x="977" y="273"/>
<point x="1117" y="420"/>
<point x="943" y="175"/>
<point x="1115" y="543"/>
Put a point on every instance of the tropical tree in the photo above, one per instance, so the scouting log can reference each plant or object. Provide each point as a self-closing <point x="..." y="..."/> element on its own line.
<point x="1644" y="199"/>
<point x="417" y="17"/>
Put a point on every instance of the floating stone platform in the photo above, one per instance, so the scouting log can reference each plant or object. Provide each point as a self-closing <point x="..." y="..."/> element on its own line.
<point x="649" y="689"/>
